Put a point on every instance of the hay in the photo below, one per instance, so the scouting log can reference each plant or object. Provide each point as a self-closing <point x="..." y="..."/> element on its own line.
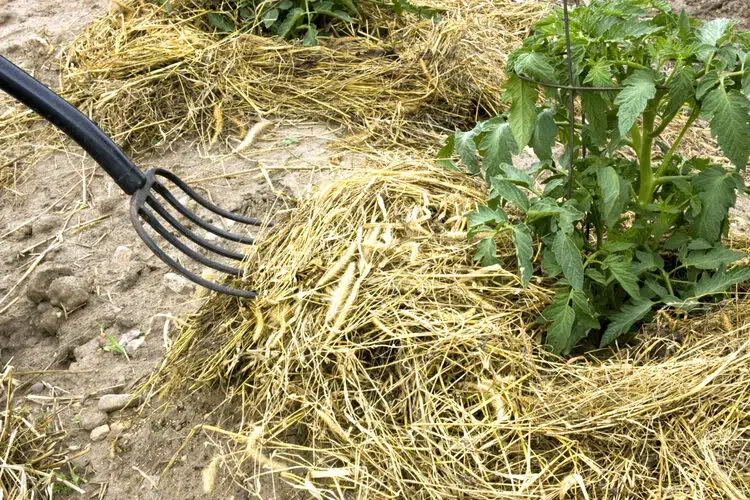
<point x="380" y="363"/>
<point x="32" y="457"/>
<point x="150" y="76"/>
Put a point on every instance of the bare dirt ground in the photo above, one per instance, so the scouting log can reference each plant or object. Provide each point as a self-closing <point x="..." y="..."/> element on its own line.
<point x="72" y="269"/>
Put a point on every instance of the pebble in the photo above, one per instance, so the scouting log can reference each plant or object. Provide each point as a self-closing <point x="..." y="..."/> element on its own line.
<point x="126" y="320"/>
<point x="178" y="284"/>
<point x="37" y="388"/>
<point x="134" y="345"/>
<point x="100" y="432"/>
<point x="129" y="336"/>
<point x="49" y="319"/>
<point x="122" y="257"/>
<point x="70" y="292"/>
<point x="43" y="276"/>
<point x="113" y="402"/>
<point x="92" y="418"/>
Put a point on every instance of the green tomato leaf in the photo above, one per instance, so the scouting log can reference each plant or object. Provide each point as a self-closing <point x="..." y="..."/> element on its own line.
<point x="622" y="271"/>
<point x="681" y="89"/>
<point x="611" y="198"/>
<point x="536" y="66"/>
<point x="561" y="317"/>
<point x="522" y="114"/>
<point x="621" y="322"/>
<point x="596" y="109"/>
<point x="467" y="150"/>
<point x="599" y="75"/>
<point x="498" y="147"/>
<point x="270" y="17"/>
<point x="730" y="123"/>
<point x="485" y="216"/>
<point x="713" y="259"/>
<point x="291" y="21"/>
<point x="545" y="132"/>
<point x="569" y="257"/>
<point x="311" y="36"/>
<point x="524" y="252"/>
<point x="715" y="189"/>
<point x="486" y="253"/>
<point x="721" y="281"/>
<point x="509" y="192"/>
<point x="220" y="22"/>
<point x="638" y="90"/>
<point x="714" y="31"/>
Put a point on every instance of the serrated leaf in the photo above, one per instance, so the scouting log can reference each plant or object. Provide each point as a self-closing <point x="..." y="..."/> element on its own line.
<point x="270" y="17"/>
<point x="700" y="244"/>
<point x="522" y="114"/>
<point x="599" y="75"/>
<point x="311" y="36"/>
<point x="550" y="267"/>
<point x="609" y="188"/>
<point x="467" y="150"/>
<point x="486" y="253"/>
<point x="595" y="107"/>
<point x="498" y="147"/>
<point x="713" y="31"/>
<point x="569" y="257"/>
<point x="515" y="175"/>
<point x="445" y="155"/>
<point x="716" y="190"/>
<point x="638" y="90"/>
<point x="657" y="288"/>
<point x="561" y="317"/>
<point x="581" y="304"/>
<point x="220" y="22"/>
<point x="524" y="252"/>
<point x="721" y="281"/>
<point x="622" y="272"/>
<point x="485" y="215"/>
<point x="509" y="192"/>
<point x="681" y="89"/>
<point x="290" y="22"/>
<point x="730" y="123"/>
<point x="622" y="321"/>
<point x="545" y="132"/>
<point x="713" y="259"/>
<point x="708" y="82"/>
<point x="536" y="66"/>
<point x="596" y="276"/>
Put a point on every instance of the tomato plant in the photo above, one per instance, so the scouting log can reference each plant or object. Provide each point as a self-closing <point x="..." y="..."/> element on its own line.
<point x="634" y="225"/>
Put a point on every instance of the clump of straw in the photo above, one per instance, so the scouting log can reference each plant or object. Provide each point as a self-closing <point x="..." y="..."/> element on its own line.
<point x="149" y="75"/>
<point x="380" y="361"/>
<point x="31" y="452"/>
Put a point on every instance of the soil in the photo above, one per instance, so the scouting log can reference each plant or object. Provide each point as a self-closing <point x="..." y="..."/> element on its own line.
<point x="72" y="269"/>
<point x="712" y="9"/>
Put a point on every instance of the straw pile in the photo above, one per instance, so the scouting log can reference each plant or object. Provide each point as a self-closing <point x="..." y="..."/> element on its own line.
<point x="149" y="75"/>
<point x="379" y="362"/>
<point x="31" y="454"/>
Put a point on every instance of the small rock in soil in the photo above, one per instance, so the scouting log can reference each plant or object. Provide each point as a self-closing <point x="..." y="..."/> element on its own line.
<point x="37" y="388"/>
<point x="178" y="284"/>
<point x="114" y="402"/>
<point x="40" y="281"/>
<point x="93" y="418"/>
<point x="49" y="319"/>
<point x="70" y="292"/>
<point x="100" y="432"/>
<point x="122" y="257"/>
<point x="134" y="345"/>
<point x="126" y="320"/>
<point x="130" y="336"/>
<point x="131" y="276"/>
<point x="45" y="224"/>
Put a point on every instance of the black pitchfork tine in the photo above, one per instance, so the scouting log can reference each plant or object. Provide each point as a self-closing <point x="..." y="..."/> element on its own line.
<point x="143" y="188"/>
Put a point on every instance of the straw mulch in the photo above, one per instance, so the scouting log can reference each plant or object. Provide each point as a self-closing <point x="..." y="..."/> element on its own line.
<point x="149" y="75"/>
<point x="379" y="362"/>
<point x="32" y="457"/>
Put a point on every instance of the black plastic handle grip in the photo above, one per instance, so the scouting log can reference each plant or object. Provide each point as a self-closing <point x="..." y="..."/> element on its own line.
<point x="73" y="123"/>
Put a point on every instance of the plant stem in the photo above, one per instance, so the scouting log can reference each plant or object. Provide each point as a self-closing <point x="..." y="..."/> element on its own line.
<point x="644" y="157"/>
<point x="672" y="150"/>
<point x="667" y="281"/>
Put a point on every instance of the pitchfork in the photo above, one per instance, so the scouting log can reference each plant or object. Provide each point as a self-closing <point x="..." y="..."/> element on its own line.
<point x="143" y="187"/>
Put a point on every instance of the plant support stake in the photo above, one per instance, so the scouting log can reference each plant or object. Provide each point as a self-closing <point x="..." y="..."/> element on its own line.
<point x="571" y="99"/>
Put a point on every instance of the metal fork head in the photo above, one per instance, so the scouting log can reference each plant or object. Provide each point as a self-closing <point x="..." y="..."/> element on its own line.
<point x="145" y="207"/>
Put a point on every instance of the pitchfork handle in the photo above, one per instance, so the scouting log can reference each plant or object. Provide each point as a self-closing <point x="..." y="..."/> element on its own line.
<point x="73" y="123"/>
